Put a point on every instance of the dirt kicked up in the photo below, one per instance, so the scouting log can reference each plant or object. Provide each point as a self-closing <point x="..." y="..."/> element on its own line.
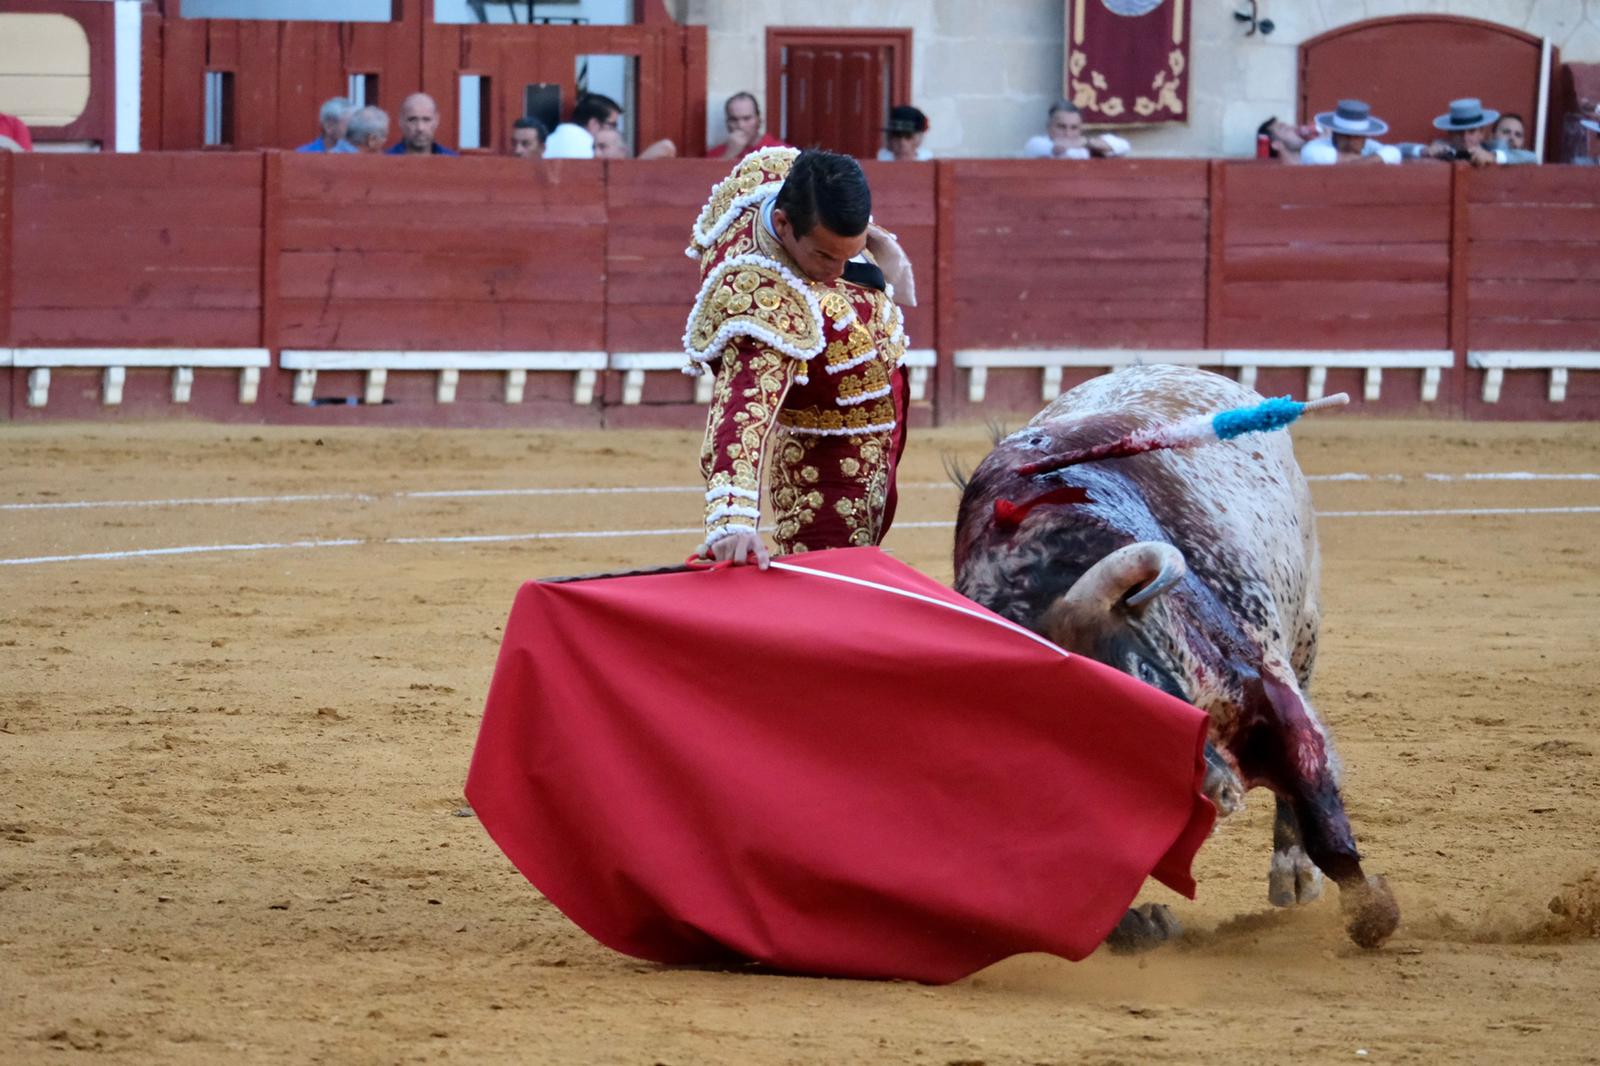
<point x="230" y="779"/>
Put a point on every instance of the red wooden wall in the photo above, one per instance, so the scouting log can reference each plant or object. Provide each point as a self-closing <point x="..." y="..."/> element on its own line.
<point x="167" y="250"/>
<point x="136" y="250"/>
<point x="1070" y="255"/>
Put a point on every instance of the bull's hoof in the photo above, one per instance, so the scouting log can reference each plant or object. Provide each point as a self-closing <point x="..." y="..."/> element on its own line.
<point x="1293" y="879"/>
<point x="1370" y="913"/>
<point x="1143" y="928"/>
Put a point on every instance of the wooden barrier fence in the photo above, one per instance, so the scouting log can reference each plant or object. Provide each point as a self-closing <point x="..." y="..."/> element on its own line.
<point x="489" y="291"/>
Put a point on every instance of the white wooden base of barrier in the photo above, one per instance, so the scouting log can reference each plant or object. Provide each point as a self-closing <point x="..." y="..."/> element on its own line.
<point x="1495" y="365"/>
<point x="1052" y="361"/>
<point x="114" y="364"/>
<point x="584" y="366"/>
<point x="634" y="366"/>
<point x="920" y="362"/>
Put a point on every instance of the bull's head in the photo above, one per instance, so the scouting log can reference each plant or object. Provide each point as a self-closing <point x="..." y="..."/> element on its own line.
<point x="1111" y="614"/>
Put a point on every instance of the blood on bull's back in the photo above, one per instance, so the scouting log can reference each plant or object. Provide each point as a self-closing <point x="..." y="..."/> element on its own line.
<point x="1195" y="570"/>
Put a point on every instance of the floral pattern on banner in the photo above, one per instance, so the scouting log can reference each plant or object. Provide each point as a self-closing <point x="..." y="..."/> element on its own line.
<point x="1127" y="64"/>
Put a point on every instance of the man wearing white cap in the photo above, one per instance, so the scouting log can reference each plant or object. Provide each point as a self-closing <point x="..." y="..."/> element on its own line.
<point x="1351" y="128"/>
<point x="1467" y="126"/>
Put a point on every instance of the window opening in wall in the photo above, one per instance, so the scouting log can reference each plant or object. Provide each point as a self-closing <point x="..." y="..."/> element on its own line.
<point x="536" y="12"/>
<point x="291" y="10"/>
<point x="218" y="108"/>
<point x="543" y="102"/>
<point x="835" y="86"/>
<point x="362" y="89"/>
<point x="475" y="112"/>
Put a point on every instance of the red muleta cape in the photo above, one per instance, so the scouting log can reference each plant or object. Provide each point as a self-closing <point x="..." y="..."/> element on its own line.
<point x="827" y="777"/>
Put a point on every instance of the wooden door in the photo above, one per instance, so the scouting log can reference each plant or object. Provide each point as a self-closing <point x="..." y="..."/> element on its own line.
<point x="833" y="88"/>
<point x="1409" y="68"/>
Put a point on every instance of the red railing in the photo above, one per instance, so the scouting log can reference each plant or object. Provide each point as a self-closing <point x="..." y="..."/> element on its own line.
<point x="284" y="251"/>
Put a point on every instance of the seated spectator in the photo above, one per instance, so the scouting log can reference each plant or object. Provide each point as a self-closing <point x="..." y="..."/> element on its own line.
<point x="419" y="120"/>
<point x="608" y="144"/>
<point x="334" y="116"/>
<point x="904" y="134"/>
<point x="14" y="135"/>
<point x="1064" y="138"/>
<point x="1276" y="139"/>
<point x="1351" y="128"/>
<point x="743" y="117"/>
<point x="528" y="135"/>
<point x="1509" y="135"/>
<point x="367" y="131"/>
<point x="1467" y="124"/>
<point x="575" y="139"/>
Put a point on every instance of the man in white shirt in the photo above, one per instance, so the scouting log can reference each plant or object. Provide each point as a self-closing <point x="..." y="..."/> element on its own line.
<point x="1064" y="138"/>
<point x="575" y="139"/>
<point x="1351" y="128"/>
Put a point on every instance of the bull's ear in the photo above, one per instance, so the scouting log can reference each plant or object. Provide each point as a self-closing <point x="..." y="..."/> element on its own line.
<point x="1127" y="581"/>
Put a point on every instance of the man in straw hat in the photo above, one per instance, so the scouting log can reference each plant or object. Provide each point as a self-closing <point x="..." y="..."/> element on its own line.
<point x="1467" y="126"/>
<point x="1351" y="128"/>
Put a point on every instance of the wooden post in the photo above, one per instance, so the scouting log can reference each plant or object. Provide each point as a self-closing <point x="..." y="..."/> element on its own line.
<point x="8" y="242"/>
<point x="1460" y="234"/>
<point x="944" y="333"/>
<point x="1216" y="220"/>
<point x="271" y="249"/>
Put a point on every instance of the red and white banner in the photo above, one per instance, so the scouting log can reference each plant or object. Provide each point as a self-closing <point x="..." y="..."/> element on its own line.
<point x="1128" y="60"/>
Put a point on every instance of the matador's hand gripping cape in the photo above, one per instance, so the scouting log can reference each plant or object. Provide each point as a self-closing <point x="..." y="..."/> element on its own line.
<point x="810" y="392"/>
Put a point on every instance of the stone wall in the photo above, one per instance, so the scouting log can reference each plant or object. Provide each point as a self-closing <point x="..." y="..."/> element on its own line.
<point x="986" y="79"/>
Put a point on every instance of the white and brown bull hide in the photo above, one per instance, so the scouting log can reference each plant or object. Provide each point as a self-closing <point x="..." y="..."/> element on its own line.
<point x="1195" y="570"/>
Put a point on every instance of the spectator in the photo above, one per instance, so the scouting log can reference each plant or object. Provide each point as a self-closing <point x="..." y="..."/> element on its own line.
<point x="1509" y="136"/>
<point x="335" y="117"/>
<point x="528" y="137"/>
<point x="14" y="135"/>
<point x="1351" y="128"/>
<point x="366" y="132"/>
<point x="419" y="120"/>
<point x="608" y="144"/>
<point x="904" y="134"/>
<point x="575" y="139"/>
<point x="743" y="117"/>
<point x="1279" y="140"/>
<point x="1064" y="138"/>
<point x="1468" y="124"/>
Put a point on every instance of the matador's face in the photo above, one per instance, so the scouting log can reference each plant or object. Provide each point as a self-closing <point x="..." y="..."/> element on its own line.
<point x="821" y="254"/>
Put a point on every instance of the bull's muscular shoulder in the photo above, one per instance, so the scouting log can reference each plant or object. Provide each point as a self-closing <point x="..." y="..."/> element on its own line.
<point x="757" y="176"/>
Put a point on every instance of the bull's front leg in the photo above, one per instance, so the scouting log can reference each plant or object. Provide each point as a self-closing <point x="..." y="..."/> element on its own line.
<point x="1283" y="747"/>
<point x="1293" y="878"/>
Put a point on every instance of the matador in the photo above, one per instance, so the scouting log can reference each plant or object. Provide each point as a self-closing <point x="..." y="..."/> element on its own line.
<point x="799" y="324"/>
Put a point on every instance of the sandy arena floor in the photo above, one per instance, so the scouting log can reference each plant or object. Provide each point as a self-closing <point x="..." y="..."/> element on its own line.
<point x="228" y="780"/>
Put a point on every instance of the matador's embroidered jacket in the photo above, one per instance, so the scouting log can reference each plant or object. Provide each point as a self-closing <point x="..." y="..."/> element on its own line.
<point x="810" y="392"/>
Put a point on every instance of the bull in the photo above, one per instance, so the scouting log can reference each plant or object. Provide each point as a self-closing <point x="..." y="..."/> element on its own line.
<point x="1196" y="571"/>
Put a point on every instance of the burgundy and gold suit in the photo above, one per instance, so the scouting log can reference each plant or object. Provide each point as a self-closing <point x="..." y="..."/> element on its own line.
<point x="810" y="393"/>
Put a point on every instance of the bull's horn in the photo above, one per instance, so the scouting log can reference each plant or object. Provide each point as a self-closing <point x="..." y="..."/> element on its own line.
<point x="1154" y="564"/>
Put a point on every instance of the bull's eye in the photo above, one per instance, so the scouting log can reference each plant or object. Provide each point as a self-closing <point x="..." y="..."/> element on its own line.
<point x="1146" y="672"/>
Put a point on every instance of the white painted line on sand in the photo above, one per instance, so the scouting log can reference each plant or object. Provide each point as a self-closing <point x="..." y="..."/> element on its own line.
<point x="193" y="501"/>
<point x="191" y="549"/>
<point x="595" y="534"/>
<point x="627" y="490"/>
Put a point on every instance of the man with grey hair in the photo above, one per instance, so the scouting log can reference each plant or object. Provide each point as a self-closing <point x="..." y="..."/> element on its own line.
<point x="334" y="116"/>
<point x="1064" y="138"/>
<point x="368" y="130"/>
<point x="419" y="121"/>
